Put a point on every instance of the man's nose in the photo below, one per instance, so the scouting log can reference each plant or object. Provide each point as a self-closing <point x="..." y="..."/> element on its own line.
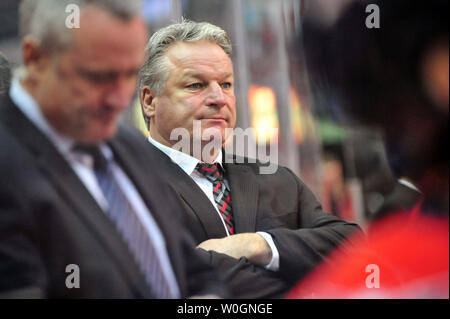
<point x="120" y="92"/>
<point x="216" y="96"/>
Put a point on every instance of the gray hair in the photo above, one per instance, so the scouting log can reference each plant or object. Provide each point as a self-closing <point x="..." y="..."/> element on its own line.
<point x="154" y="71"/>
<point x="26" y="11"/>
<point x="45" y="20"/>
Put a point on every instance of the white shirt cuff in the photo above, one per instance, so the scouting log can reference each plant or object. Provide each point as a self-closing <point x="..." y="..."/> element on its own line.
<point x="274" y="264"/>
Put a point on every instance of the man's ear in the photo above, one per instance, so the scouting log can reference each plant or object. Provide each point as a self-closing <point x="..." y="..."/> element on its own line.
<point x="148" y="101"/>
<point x="35" y="60"/>
<point x="32" y="54"/>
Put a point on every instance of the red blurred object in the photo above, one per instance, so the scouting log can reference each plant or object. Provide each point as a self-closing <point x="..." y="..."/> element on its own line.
<point x="405" y="255"/>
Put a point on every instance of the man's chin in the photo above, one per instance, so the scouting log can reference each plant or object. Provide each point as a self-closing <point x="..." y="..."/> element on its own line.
<point x="216" y="139"/>
<point x="216" y="131"/>
<point x="219" y="125"/>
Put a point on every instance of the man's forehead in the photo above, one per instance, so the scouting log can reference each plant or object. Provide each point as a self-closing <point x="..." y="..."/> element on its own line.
<point x="99" y="25"/>
<point x="193" y="59"/>
<point x="109" y="42"/>
<point x="200" y="50"/>
<point x="190" y="73"/>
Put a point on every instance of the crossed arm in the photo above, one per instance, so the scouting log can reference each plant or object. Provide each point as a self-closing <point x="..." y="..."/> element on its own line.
<point x="250" y="245"/>
<point x="300" y="246"/>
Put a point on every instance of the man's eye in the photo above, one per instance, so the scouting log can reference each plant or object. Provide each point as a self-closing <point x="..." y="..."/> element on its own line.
<point x="226" y="85"/>
<point x="195" y="86"/>
<point x="99" y="77"/>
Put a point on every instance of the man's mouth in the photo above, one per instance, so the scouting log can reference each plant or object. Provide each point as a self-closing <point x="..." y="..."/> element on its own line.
<point x="215" y="118"/>
<point x="107" y="116"/>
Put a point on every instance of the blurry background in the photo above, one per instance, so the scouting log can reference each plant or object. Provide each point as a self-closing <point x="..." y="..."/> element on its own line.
<point x="296" y="61"/>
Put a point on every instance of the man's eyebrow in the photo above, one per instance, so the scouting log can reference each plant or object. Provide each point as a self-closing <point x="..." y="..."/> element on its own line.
<point x="191" y="75"/>
<point x="227" y="75"/>
<point x="199" y="75"/>
<point x="106" y="72"/>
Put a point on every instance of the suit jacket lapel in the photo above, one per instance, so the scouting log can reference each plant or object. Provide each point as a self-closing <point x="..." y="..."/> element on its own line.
<point x="191" y="194"/>
<point x="244" y="195"/>
<point x="75" y="193"/>
<point x="71" y="190"/>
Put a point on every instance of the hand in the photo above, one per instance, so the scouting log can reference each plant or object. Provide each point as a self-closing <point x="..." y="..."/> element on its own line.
<point x="250" y="245"/>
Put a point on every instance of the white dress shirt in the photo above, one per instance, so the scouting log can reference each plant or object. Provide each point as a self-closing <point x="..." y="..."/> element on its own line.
<point x="188" y="163"/>
<point x="83" y="167"/>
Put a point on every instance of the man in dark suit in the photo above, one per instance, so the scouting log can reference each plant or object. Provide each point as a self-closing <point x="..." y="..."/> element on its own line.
<point x="82" y="215"/>
<point x="263" y="231"/>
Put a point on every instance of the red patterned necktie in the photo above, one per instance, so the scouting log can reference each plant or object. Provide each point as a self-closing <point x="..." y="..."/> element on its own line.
<point x="222" y="197"/>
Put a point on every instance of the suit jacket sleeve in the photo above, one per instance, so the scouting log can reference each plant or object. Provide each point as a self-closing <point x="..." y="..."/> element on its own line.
<point x="202" y="279"/>
<point x="21" y="267"/>
<point x="244" y="279"/>
<point x="317" y="235"/>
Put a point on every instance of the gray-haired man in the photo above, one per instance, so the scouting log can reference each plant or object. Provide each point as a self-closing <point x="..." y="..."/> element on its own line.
<point x="263" y="232"/>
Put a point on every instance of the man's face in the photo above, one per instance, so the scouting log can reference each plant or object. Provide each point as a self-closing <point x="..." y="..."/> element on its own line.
<point x="200" y="86"/>
<point x="83" y="89"/>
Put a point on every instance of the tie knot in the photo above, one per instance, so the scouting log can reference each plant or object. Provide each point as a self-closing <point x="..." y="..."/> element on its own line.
<point x="211" y="171"/>
<point x="94" y="151"/>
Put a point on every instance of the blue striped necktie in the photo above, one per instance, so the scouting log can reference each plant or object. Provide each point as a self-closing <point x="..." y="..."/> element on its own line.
<point x="128" y="224"/>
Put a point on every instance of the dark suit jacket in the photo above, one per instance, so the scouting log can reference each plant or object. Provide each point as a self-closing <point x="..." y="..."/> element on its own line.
<point x="279" y="204"/>
<point x="49" y="220"/>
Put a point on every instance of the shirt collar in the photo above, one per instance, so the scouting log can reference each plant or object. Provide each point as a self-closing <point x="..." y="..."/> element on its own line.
<point x="30" y="108"/>
<point x="186" y="162"/>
